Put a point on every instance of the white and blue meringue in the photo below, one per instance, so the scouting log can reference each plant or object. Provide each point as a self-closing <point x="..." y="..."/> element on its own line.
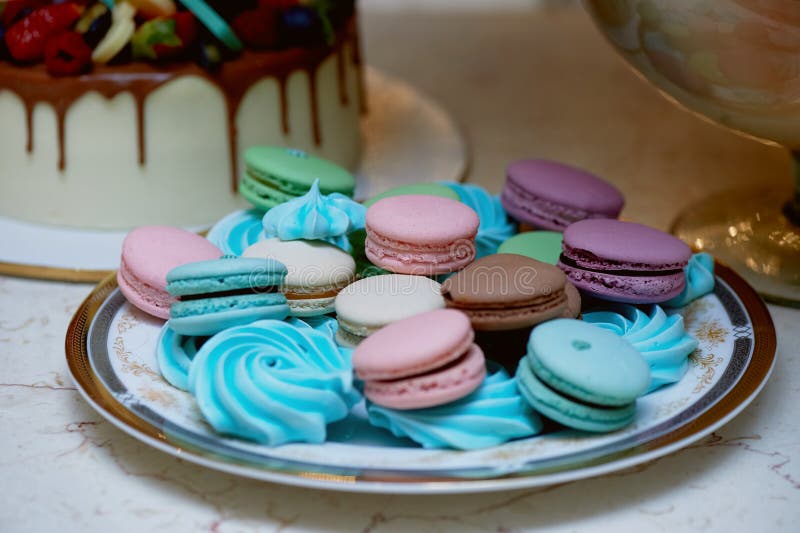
<point x="174" y="354"/>
<point x="495" y="226"/>
<point x="237" y="231"/>
<point x="315" y="216"/>
<point x="272" y="382"/>
<point x="699" y="280"/>
<point x="660" y="338"/>
<point x="491" y="415"/>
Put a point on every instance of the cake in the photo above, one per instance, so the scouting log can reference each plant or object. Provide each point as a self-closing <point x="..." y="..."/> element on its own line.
<point x="153" y="132"/>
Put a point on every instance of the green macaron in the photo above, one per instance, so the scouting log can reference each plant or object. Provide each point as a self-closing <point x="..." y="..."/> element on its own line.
<point x="544" y="246"/>
<point x="274" y="175"/>
<point x="221" y="293"/>
<point x="429" y="189"/>
<point x="582" y="376"/>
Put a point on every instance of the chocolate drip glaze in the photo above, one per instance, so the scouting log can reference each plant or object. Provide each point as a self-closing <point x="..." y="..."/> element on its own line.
<point x="33" y="85"/>
<point x="341" y="76"/>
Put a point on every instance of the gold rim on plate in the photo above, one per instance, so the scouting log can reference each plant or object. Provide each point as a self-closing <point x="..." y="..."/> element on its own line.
<point x="73" y="275"/>
<point x="751" y="381"/>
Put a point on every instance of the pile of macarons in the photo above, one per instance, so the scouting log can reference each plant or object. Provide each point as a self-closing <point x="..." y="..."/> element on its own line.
<point x="462" y="319"/>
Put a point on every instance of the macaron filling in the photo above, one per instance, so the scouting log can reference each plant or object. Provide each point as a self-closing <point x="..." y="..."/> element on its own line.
<point x="619" y="269"/>
<point x="218" y="303"/>
<point x="147" y="292"/>
<point x="233" y="292"/>
<point x="534" y="309"/>
<point x="276" y="182"/>
<point x="586" y="260"/>
<point x="390" y="374"/>
<point x="358" y="333"/>
<point x="569" y="411"/>
<point x="382" y="247"/>
<point x="444" y="384"/>
<point x="570" y="391"/>
<point x="519" y="199"/>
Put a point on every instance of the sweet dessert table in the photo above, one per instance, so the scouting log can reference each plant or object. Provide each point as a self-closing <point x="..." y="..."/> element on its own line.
<point x="559" y="92"/>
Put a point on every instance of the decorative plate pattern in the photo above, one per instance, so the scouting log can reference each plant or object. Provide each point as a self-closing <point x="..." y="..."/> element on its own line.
<point x="111" y="353"/>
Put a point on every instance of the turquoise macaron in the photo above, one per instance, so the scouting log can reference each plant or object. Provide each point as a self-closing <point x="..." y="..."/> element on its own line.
<point x="582" y="376"/>
<point x="222" y="293"/>
<point x="274" y="175"/>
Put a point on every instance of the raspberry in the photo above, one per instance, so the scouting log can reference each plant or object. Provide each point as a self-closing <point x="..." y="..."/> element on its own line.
<point x="67" y="54"/>
<point x="26" y="39"/>
<point x="258" y="28"/>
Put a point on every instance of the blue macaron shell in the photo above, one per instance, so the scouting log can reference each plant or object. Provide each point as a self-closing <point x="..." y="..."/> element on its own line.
<point x="207" y="316"/>
<point x="567" y="411"/>
<point x="224" y="274"/>
<point x="587" y="362"/>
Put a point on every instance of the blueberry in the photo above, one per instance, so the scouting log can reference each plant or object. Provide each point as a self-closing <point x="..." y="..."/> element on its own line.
<point x="208" y="56"/>
<point x="229" y="9"/>
<point x="98" y="29"/>
<point x="301" y="26"/>
<point x="3" y="49"/>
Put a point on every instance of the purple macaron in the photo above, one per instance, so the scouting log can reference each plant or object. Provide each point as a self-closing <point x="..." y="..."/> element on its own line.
<point x="623" y="261"/>
<point x="550" y="195"/>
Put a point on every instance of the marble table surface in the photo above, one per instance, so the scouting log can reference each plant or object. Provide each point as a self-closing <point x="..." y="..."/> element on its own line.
<point x="523" y="83"/>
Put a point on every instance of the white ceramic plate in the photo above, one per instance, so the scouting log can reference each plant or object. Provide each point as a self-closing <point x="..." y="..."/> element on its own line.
<point x="407" y="138"/>
<point x="111" y="353"/>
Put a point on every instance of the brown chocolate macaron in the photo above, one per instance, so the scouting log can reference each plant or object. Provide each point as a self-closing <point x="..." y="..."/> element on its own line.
<point x="504" y="296"/>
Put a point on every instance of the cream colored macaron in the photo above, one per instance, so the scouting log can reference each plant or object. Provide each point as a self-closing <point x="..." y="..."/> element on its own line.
<point x="316" y="272"/>
<point x="369" y="304"/>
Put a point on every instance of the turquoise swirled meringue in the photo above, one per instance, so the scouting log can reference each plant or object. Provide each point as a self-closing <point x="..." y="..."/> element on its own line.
<point x="237" y="231"/>
<point x="492" y="415"/>
<point x="659" y="337"/>
<point x="315" y="216"/>
<point x="272" y="382"/>
<point x="699" y="280"/>
<point x="322" y="323"/>
<point x="174" y="354"/>
<point x="495" y="227"/>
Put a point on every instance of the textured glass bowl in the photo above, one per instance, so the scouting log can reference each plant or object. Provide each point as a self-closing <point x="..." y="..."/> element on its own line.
<point x="736" y="63"/>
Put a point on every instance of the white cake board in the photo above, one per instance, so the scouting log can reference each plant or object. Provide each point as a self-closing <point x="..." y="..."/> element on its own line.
<point x="408" y="138"/>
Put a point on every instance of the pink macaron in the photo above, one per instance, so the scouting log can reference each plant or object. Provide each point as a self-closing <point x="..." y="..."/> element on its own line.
<point x="422" y="361"/>
<point x="624" y="261"/>
<point x="421" y="234"/>
<point x="148" y="253"/>
<point x="550" y="195"/>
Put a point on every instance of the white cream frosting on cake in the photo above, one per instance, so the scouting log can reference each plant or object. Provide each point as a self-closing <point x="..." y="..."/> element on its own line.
<point x="182" y="172"/>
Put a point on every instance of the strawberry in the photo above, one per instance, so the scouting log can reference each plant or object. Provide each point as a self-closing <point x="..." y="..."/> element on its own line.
<point x="67" y="54"/>
<point x="26" y="39"/>
<point x="258" y="28"/>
